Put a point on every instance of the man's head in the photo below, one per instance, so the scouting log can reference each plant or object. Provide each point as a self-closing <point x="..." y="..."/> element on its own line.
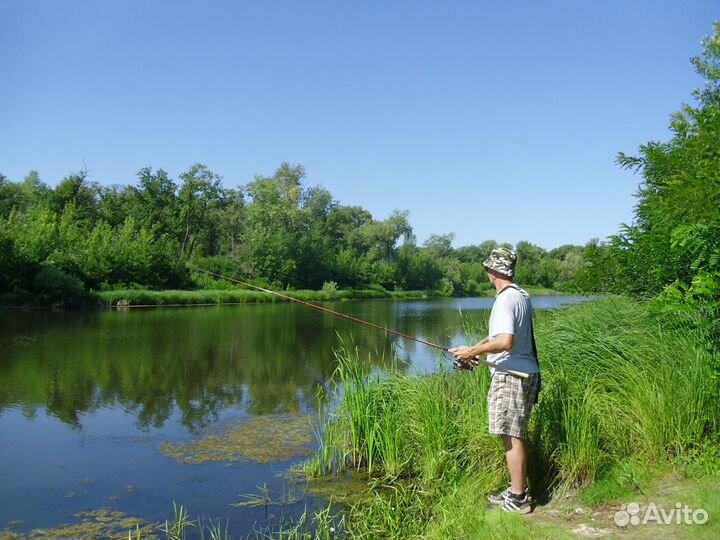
<point x="501" y="263"/>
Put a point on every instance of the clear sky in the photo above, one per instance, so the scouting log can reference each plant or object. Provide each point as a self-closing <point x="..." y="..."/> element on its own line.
<point x="492" y="120"/>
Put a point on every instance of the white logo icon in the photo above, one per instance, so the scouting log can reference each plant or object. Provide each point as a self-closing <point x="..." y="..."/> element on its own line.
<point x="682" y="514"/>
<point x="628" y="515"/>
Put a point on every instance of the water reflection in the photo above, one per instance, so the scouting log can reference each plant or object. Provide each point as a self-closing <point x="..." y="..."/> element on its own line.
<point x="269" y="358"/>
<point x="92" y="395"/>
<point x="266" y="358"/>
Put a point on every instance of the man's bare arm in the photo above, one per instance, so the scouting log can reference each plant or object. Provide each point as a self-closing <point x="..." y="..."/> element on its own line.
<point x="498" y="344"/>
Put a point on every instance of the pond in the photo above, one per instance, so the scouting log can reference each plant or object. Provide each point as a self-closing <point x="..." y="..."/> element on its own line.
<point x="128" y="411"/>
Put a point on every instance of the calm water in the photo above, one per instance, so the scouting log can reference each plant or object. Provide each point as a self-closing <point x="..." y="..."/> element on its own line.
<point x="87" y="398"/>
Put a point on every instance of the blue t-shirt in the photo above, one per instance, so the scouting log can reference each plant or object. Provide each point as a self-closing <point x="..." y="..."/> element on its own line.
<point x="512" y="314"/>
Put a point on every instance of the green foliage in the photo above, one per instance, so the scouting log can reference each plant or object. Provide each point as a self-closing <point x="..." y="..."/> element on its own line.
<point x="700" y="301"/>
<point x="156" y="201"/>
<point x="329" y="286"/>
<point x="274" y="223"/>
<point x="199" y="200"/>
<point x="673" y="247"/>
<point x="15" y="270"/>
<point x="221" y="265"/>
<point x="53" y="286"/>
<point x="77" y="191"/>
<point x="417" y="268"/>
<point x="708" y="66"/>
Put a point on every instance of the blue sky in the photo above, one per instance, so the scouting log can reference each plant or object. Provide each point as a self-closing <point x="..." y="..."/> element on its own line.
<point x="492" y="120"/>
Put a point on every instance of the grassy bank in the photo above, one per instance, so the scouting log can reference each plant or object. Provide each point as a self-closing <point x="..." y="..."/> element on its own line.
<point x="133" y="297"/>
<point x="622" y="389"/>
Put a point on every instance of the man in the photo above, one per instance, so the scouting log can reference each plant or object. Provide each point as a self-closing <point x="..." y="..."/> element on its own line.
<point x="511" y="344"/>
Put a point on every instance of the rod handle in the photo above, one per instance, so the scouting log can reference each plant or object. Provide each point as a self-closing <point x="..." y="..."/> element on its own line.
<point x="499" y="367"/>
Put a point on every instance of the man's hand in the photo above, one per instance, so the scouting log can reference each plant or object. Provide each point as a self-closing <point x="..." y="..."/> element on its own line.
<point x="498" y="344"/>
<point x="465" y="355"/>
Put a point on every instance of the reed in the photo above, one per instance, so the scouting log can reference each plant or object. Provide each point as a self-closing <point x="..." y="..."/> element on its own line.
<point x="179" y="526"/>
<point x="176" y="529"/>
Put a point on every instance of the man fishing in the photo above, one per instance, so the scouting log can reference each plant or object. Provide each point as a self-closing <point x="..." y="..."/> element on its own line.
<point x="511" y="344"/>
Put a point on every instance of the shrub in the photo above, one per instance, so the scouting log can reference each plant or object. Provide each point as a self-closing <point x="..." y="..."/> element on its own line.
<point x="329" y="286"/>
<point x="53" y="286"/>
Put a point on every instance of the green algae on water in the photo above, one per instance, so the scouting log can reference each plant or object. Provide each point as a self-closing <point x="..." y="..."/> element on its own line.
<point x="102" y="523"/>
<point x="263" y="439"/>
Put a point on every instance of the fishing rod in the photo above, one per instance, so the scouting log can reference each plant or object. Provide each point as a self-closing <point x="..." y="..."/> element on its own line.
<point x="457" y="364"/>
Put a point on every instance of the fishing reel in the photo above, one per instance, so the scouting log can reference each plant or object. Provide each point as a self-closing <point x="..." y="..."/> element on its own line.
<point x="464" y="366"/>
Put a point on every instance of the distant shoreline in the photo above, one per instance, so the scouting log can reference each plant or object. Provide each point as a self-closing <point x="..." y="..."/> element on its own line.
<point x="173" y="297"/>
<point x="139" y="298"/>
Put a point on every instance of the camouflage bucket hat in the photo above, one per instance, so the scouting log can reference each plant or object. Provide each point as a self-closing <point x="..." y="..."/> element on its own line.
<point x="502" y="261"/>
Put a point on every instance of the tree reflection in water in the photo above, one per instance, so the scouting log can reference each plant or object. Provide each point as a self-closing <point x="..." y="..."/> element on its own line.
<point x="266" y="358"/>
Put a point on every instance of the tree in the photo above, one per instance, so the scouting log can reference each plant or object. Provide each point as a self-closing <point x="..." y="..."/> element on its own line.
<point x="10" y="196"/>
<point x="570" y="262"/>
<point x="317" y="249"/>
<point x="274" y="223"/>
<point x="672" y="248"/>
<point x="440" y="245"/>
<point x="77" y="190"/>
<point x="199" y="197"/>
<point x="232" y="219"/>
<point x="529" y="266"/>
<point x="16" y="269"/>
<point x="417" y="268"/>
<point x="117" y="203"/>
<point x="34" y="190"/>
<point x="381" y="237"/>
<point x="158" y="203"/>
<point x="476" y="253"/>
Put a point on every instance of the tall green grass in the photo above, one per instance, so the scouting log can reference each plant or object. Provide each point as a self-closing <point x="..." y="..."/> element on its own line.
<point x="396" y="426"/>
<point x="621" y="386"/>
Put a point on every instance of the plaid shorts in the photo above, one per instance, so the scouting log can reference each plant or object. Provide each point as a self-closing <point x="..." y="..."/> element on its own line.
<point x="510" y="401"/>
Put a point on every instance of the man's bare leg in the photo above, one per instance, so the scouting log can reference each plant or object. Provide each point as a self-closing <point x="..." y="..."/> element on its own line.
<point x="517" y="456"/>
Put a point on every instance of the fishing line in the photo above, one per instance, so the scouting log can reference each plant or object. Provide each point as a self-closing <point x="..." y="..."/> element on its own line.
<point x="456" y="363"/>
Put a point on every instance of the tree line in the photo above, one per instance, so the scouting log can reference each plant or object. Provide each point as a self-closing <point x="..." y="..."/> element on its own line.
<point x="277" y="230"/>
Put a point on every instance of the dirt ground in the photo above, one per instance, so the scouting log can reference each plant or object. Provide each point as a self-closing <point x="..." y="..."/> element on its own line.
<point x="672" y="499"/>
